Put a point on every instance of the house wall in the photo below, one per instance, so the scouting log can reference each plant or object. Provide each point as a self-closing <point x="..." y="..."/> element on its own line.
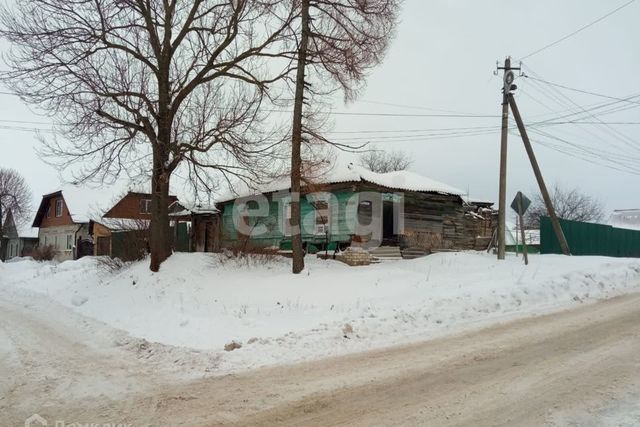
<point x="273" y="223"/>
<point x="436" y="214"/>
<point x="102" y="240"/>
<point x="205" y="233"/>
<point x="27" y="245"/>
<point x="440" y="215"/>
<point x="129" y="207"/>
<point x="20" y="247"/>
<point x="56" y="236"/>
<point x="51" y="220"/>
<point x="12" y="248"/>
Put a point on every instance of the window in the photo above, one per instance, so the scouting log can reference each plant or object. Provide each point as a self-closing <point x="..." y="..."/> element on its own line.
<point x="323" y="216"/>
<point x="48" y="211"/>
<point x="286" y="220"/>
<point x="46" y="240"/>
<point x="55" y="242"/>
<point x="145" y="206"/>
<point x="58" y="207"/>
<point x="69" y="241"/>
<point x="365" y="212"/>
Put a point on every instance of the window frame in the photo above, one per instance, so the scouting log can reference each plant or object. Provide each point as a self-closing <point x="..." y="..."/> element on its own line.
<point x="365" y="210"/>
<point x="59" y="207"/>
<point x="145" y="206"/>
<point x="286" y="219"/>
<point x="325" y="220"/>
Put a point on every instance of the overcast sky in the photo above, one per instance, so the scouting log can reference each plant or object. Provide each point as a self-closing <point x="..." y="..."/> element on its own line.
<point x="443" y="59"/>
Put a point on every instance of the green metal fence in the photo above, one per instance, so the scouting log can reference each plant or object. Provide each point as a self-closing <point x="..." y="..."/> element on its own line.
<point x="590" y="239"/>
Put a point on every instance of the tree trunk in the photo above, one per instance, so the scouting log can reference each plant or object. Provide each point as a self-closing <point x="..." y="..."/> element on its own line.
<point x="296" y="143"/>
<point x="160" y="236"/>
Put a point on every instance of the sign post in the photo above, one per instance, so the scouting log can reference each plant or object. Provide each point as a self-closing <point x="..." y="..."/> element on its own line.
<point x="520" y="204"/>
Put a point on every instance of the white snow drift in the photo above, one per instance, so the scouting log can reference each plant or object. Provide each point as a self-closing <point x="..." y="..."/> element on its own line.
<point x="204" y="301"/>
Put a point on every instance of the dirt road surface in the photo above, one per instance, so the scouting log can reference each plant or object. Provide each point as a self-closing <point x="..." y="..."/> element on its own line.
<point x="558" y="369"/>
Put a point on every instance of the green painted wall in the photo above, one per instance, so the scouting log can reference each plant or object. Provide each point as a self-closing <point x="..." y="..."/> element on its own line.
<point x="339" y="230"/>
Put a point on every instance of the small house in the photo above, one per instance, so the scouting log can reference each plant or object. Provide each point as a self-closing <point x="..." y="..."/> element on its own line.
<point x="350" y="206"/>
<point x="196" y="227"/>
<point x="15" y="243"/>
<point x="63" y="223"/>
<point x="123" y="230"/>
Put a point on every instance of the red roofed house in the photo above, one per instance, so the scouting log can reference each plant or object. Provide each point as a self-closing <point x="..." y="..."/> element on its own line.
<point x="123" y="230"/>
<point x="63" y="226"/>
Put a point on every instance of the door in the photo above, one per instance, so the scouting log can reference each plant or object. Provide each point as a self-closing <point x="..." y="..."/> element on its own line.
<point x="388" y="236"/>
<point x="85" y="248"/>
<point x="104" y="246"/>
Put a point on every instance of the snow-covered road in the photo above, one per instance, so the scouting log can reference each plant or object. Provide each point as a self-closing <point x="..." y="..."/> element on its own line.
<point x="578" y="367"/>
<point x="52" y="358"/>
<point x="81" y="344"/>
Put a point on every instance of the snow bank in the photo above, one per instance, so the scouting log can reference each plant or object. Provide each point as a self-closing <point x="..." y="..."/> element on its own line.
<point x="204" y="301"/>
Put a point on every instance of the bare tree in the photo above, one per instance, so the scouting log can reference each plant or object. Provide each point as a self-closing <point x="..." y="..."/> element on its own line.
<point x="15" y="197"/>
<point x="383" y="161"/>
<point x="571" y="204"/>
<point x="141" y="87"/>
<point x="337" y="42"/>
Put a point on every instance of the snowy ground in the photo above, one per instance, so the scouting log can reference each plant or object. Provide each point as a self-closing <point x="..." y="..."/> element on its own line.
<point x="198" y="303"/>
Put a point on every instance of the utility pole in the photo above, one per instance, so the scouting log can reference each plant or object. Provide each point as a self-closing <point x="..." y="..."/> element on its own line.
<point x="564" y="246"/>
<point x="507" y="79"/>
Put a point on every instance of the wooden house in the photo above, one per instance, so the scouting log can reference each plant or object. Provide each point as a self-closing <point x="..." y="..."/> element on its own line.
<point x="196" y="227"/>
<point x="404" y="209"/>
<point x="123" y="229"/>
<point x="16" y="244"/>
<point x="63" y="223"/>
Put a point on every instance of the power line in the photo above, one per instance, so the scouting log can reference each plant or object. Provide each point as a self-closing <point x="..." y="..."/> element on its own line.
<point x="580" y="90"/>
<point x="610" y="131"/>
<point x="25" y="122"/>
<point x="576" y="122"/>
<point x="20" y="128"/>
<point x="589" y="157"/>
<point x="411" y="107"/>
<point x="411" y="130"/>
<point x="578" y="30"/>
<point x="345" y="113"/>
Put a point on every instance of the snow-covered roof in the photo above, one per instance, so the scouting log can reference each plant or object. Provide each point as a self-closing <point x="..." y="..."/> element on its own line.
<point x="625" y="218"/>
<point x="398" y="180"/>
<point x="479" y="202"/>
<point x="29" y="232"/>
<point x="198" y="209"/>
<point x="83" y="203"/>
